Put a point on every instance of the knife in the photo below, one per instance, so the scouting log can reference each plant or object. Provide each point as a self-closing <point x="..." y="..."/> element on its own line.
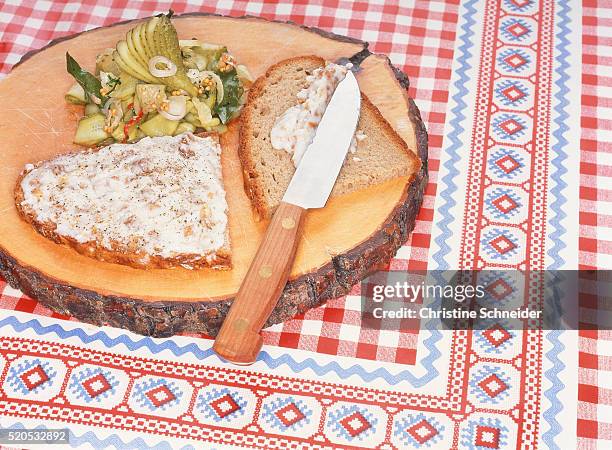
<point x="239" y="340"/>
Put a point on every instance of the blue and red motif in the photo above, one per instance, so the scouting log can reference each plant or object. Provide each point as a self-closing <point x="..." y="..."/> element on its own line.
<point x="500" y="287"/>
<point x="510" y="127"/>
<point x="494" y="337"/>
<point x="156" y="394"/>
<point x="487" y="433"/>
<point x="512" y="93"/>
<point x="516" y="61"/>
<point x="30" y="376"/>
<point x="517" y="30"/>
<point x="507" y="164"/>
<point x="221" y="404"/>
<point x="500" y="245"/>
<point x="490" y="385"/>
<point x="418" y="431"/>
<point x="503" y="203"/>
<point x="352" y="423"/>
<point x="93" y="384"/>
<point x="287" y="413"/>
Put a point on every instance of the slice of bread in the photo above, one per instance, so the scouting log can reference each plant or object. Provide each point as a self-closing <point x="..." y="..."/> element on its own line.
<point x="382" y="155"/>
<point x="158" y="203"/>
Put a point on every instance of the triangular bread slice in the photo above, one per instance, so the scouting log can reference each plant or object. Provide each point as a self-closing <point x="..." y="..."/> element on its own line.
<point x="382" y="155"/>
<point x="158" y="203"/>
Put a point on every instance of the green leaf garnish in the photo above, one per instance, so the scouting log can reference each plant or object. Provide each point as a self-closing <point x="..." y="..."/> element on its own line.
<point x="232" y="93"/>
<point x="90" y="84"/>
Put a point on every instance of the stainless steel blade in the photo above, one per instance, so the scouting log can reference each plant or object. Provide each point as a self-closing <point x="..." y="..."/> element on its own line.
<point x="317" y="172"/>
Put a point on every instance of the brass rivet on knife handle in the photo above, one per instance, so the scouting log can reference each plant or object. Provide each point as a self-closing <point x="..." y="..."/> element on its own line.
<point x="288" y="223"/>
<point x="239" y="340"/>
<point x="265" y="272"/>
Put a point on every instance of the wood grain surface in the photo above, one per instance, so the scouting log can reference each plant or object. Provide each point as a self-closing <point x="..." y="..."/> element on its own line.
<point x="352" y="236"/>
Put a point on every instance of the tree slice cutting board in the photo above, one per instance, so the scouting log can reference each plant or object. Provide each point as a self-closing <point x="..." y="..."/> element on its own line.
<point x="352" y="236"/>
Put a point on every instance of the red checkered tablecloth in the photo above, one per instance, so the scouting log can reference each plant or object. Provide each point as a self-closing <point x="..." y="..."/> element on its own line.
<point x="421" y="38"/>
<point x="595" y="357"/>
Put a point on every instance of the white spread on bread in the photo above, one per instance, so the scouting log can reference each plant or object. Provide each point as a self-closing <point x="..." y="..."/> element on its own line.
<point x="161" y="196"/>
<point x="294" y="130"/>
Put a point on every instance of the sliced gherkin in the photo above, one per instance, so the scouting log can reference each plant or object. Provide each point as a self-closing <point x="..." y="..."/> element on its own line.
<point x="90" y="130"/>
<point x="149" y="39"/>
<point x="136" y="69"/>
<point x="184" y="127"/>
<point x="158" y="125"/>
<point x="138" y="44"/>
<point x="123" y="66"/>
<point x="134" y="51"/>
<point x="126" y="88"/>
<point x="167" y="45"/>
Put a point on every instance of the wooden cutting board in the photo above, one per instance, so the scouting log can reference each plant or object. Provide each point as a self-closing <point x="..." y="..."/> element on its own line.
<point x="351" y="237"/>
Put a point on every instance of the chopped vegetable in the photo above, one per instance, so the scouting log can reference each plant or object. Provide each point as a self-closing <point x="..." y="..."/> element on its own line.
<point x="150" y="97"/>
<point x="177" y="108"/>
<point x="159" y="126"/>
<point x="126" y="88"/>
<point x="91" y="108"/>
<point x="213" y="123"/>
<point x="153" y="84"/>
<point x="231" y="104"/>
<point x="76" y="95"/>
<point x="131" y="123"/>
<point x="160" y="66"/>
<point x="184" y="127"/>
<point x="192" y="119"/>
<point x="119" y="134"/>
<point x="203" y="111"/>
<point x="91" y="130"/>
<point x="106" y="63"/>
<point x="90" y="84"/>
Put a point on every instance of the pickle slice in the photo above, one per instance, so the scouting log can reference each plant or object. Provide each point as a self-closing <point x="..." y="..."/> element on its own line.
<point x="135" y="68"/>
<point x="167" y="44"/>
<point x="158" y="125"/>
<point x="90" y="130"/>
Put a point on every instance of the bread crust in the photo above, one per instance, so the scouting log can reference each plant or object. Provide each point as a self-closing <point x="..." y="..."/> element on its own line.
<point x="252" y="187"/>
<point x="165" y="317"/>
<point x="120" y="254"/>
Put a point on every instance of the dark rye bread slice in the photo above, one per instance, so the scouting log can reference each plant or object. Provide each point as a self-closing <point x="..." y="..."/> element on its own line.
<point x="381" y="156"/>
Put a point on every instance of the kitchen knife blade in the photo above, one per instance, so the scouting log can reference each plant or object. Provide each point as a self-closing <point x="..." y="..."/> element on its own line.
<point x="316" y="173"/>
<point x="239" y="340"/>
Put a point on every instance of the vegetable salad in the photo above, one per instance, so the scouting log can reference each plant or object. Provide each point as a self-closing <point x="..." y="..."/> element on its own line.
<point x="153" y="84"/>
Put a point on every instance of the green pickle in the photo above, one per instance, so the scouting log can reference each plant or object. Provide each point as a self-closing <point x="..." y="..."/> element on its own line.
<point x="158" y="125"/>
<point x="91" y="108"/>
<point x="184" y="127"/>
<point x="90" y="130"/>
<point x="128" y="62"/>
<point x="119" y="133"/>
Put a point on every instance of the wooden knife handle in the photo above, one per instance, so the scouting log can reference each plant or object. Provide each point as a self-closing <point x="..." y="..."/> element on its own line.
<point x="239" y="340"/>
